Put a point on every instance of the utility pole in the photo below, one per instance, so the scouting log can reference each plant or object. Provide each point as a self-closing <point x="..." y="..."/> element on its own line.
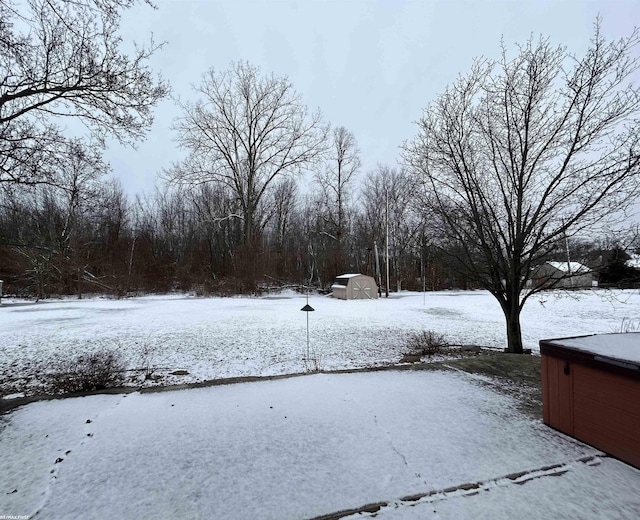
<point x="566" y="245"/>
<point x="386" y="244"/>
<point x="422" y="274"/>
<point x="375" y="252"/>
<point x="133" y="246"/>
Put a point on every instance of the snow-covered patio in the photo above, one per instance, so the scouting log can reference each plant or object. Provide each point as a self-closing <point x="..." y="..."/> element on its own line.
<point x="301" y="448"/>
<point x="230" y="337"/>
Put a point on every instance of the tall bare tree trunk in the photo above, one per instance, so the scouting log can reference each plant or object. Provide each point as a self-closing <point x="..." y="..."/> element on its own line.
<point x="514" y="333"/>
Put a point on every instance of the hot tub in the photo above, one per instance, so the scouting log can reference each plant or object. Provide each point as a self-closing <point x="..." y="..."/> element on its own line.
<point x="591" y="391"/>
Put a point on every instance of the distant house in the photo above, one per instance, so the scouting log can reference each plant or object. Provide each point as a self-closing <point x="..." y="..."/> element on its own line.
<point x="354" y="287"/>
<point x="633" y="262"/>
<point x="568" y="275"/>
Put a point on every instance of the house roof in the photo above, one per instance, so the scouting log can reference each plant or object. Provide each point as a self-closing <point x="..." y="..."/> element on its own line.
<point x="634" y="262"/>
<point x="570" y="267"/>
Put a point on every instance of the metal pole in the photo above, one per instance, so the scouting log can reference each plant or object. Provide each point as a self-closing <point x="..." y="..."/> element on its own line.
<point x="386" y="245"/>
<point x="566" y="245"/>
<point x="424" y="288"/>
<point x="133" y="245"/>
<point x="308" y="350"/>
<point x="307" y="308"/>
<point x="375" y="249"/>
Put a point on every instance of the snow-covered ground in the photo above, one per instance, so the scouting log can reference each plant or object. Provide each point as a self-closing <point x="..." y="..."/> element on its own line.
<point x="419" y="444"/>
<point x="228" y="337"/>
<point x="303" y="447"/>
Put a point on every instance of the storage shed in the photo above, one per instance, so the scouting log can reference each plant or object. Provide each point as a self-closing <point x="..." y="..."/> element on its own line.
<point x="354" y="287"/>
<point x="568" y="275"/>
<point x="591" y="391"/>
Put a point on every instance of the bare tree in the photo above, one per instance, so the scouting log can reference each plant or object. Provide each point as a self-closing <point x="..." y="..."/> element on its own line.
<point x="80" y="170"/>
<point x="283" y="205"/>
<point x="335" y="179"/>
<point x="48" y="235"/>
<point x="222" y="232"/>
<point x="62" y="59"/>
<point x="523" y="152"/>
<point x="246" y="131"/>
<point x="396" y="188"/>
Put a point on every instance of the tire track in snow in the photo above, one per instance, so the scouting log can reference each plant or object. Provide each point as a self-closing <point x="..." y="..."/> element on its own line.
<point x="468" y="489"/>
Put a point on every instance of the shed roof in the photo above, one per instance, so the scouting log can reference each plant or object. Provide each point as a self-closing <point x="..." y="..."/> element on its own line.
<point x="570" y="267"/>
<point x="350" y="275"/>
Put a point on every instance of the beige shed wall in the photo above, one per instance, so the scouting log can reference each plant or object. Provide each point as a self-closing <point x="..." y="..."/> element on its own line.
<point x="340" y="293"/>
<point x="361" y="287"/>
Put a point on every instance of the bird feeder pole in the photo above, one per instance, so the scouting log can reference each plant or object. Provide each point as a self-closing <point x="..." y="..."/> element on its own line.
<point x="307" y="308"/>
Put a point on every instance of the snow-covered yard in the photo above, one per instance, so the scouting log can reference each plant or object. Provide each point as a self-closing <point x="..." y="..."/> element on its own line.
<point x="228" y="337"/>
<point x="304" y="447"/>
<point x="425" y="444"/>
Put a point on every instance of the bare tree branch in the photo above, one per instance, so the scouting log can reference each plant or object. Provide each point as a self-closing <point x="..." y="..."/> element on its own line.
<point x="61" y="59"/>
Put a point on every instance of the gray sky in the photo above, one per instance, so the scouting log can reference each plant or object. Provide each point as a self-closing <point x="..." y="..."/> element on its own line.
<point x="368" y="65"/>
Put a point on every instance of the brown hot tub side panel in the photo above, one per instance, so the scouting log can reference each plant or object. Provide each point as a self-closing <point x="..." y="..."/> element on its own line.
<point x="557" y="395"/>
<point x="592" y="397"/>
<point x="606" y="412"/>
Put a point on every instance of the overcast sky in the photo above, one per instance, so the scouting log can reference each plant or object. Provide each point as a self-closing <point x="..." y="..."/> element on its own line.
<point x="371" y="66"/>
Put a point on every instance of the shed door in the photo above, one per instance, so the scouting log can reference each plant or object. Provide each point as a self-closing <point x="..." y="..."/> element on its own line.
<point x="362" y="289"/>
<point x="557" y="393"/>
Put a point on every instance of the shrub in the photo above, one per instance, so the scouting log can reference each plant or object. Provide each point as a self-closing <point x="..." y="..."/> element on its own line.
<point x="426" y="343"/>
<point x="147" y="358"/>
<point x="630" y="325"/>
<point x="87" y="372"/>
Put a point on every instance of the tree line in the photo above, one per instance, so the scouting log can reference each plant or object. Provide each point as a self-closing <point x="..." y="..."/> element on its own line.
<point x="88" y="236"/>
<point x="509" y="165"/>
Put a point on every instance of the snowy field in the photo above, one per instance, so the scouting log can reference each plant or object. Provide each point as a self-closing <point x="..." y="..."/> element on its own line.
<point x="419" y="445"/>
<point x="425" y="444"/>
<point x="228" y="337"/>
